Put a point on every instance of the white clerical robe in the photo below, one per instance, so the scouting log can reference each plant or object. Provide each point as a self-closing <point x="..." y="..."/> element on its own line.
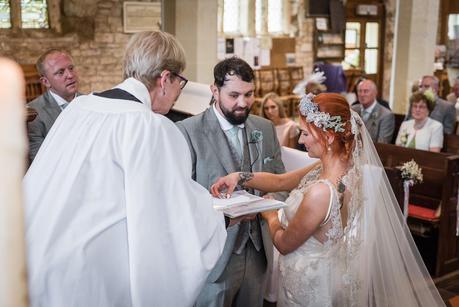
<point x="113" y="217"/>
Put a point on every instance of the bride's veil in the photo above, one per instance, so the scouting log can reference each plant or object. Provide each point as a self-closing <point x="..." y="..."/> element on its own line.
<point x="377" y="262"/>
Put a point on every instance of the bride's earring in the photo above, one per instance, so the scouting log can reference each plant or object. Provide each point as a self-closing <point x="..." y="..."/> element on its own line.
<point x="329" y="147"/>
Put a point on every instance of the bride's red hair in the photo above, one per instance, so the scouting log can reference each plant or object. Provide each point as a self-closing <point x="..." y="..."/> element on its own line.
<point x="335" y="105"/>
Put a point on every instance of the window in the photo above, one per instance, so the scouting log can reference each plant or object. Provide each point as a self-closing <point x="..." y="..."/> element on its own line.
<point x="5" y="14"/>
<point x="238" y="18"/>
<point x="33" y="14"/>
<point x="453" y="26"/>
<point x="362" y="46"/>
<point x="275" y="16"/>
<point x="231" y="13"/>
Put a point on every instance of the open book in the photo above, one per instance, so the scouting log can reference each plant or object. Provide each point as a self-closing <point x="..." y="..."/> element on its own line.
<point x="242" y="203"/>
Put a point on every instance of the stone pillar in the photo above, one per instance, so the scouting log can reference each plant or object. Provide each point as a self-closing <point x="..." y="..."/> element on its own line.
<point x="415" y="34"/>
<point x="196" y="29"/>
<point x="13" y="280"/>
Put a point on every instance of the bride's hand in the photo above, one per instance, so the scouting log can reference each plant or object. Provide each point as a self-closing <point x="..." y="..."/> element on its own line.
<point x="269" y="215"/>
<point x="225" y="185"/>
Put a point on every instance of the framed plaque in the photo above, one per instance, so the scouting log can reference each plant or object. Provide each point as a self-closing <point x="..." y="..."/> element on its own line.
<point x="141" y="16"/>
<point x="367" y="10"/>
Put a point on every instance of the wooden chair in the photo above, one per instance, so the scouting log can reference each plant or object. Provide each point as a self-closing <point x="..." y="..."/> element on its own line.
<point x="296" y="75"/>
<point x="266" y="81"/>
<point x="34" y="88"/>
<point x="284" y="82"/>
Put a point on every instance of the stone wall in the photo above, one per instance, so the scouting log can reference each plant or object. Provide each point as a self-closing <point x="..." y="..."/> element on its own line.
<point x="92" y="30"/>
<point x="388" y="47"/>
<point x="304" y="50"/>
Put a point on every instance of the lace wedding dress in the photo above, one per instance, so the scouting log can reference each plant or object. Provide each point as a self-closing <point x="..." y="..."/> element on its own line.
<point x="305" y="273"/>
<point x="372" y="259"/>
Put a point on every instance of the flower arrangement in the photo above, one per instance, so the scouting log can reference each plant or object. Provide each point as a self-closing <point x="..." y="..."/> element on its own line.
<point x="256" y="136"/>
<point x="404" y="138"/>
<point x="410" y="171"/>
<point x="429" y="94"/>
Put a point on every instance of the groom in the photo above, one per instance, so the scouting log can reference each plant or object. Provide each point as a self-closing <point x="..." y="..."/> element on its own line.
<point x="225" y="139"/>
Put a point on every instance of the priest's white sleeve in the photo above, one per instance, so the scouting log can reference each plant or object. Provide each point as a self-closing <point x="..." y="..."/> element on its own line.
<point x="171" y="212"/>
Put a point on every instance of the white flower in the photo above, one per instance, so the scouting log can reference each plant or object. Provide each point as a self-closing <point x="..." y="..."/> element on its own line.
<point x="411" y="171"/>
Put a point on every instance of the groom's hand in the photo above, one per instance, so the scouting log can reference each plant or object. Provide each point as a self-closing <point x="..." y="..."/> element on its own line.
<point x="224" y="186"/>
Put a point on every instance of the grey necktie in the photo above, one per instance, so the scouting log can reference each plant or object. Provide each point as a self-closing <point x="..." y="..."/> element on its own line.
<point x="233" y="135"/>
<point x="365" y="115"/>
<point x="63" y="106"/>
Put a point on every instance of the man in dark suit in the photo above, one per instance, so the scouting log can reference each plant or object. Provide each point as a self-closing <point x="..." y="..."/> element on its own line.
<point x="59" y="76"/>
<point x="379" y="121"/>
<point x="225" y="139"/>
<point x="444" y="112"/>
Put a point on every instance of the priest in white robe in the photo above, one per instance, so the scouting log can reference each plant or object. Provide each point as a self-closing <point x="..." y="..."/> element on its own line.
<point x="113" y="217"/>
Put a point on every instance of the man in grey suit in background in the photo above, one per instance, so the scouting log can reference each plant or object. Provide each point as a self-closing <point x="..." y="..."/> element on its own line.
<point x="444" y="112"/>
<point x="58" y="74"/>
<point x="225" y="139"/>
<point x="379" y="121"/>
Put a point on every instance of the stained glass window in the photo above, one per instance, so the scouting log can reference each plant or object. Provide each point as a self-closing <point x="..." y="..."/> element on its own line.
<point x="5" y="15"/>
<point x="34" y="14"/>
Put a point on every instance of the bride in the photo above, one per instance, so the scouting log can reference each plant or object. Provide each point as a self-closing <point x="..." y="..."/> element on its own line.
<point x="342" y="236"/>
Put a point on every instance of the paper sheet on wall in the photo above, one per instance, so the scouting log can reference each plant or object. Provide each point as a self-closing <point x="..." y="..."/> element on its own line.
<point x="265" y="57"/>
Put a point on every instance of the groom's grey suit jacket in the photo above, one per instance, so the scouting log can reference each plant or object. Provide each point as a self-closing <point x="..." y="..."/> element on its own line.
<point x="211" y="159"/>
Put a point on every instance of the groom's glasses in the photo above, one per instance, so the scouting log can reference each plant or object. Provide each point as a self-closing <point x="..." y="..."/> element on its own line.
<point x="183" y="80"/>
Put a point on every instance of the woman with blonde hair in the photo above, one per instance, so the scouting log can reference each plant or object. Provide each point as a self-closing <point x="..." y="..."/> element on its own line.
<point x="286" y="129"/>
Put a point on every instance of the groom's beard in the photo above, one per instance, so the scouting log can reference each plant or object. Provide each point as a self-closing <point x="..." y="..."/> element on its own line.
<point x="232" y="116"/>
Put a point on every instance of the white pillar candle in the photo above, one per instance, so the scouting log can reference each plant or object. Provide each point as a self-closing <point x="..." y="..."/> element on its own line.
<point x="13" y="277"/>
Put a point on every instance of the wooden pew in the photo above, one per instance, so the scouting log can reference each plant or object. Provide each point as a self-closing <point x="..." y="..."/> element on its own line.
<point x="396" y="182"/>
<point x="451" y="143"/>
<point x="34" y="88"/>
<point x="435" y="237"/>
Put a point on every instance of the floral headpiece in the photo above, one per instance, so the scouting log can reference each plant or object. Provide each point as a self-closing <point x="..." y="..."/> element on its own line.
<point x="310" y="110"/>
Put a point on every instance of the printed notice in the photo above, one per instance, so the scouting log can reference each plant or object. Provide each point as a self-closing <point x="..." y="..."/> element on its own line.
<point x="141" y="16"/>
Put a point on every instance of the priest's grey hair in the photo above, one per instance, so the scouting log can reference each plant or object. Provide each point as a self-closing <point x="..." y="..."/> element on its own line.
<point x="150" y="53"/>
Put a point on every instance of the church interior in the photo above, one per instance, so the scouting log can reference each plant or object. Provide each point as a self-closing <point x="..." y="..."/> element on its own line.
<point x="332" y="44"/>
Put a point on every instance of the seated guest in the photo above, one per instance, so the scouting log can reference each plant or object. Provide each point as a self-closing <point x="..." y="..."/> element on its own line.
<point x="59" y="76"/>
<point x="379" y="100"/>
<point x="421" y="132"/>
<point x="380" y="121"/>
<point x="315" y="88"/>
<point x="286" y="129"/>
<point x="443" y="112"/>
<point x="453" y="97"/>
